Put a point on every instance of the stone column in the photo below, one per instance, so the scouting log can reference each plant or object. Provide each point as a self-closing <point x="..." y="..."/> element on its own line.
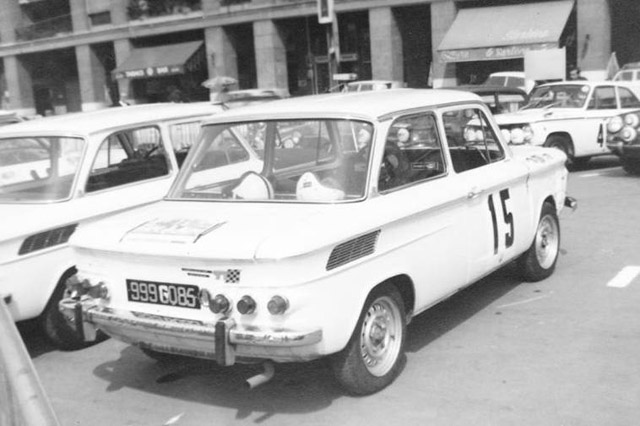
<point x="442" y="16"/>
<point x="386" y="45"/>
<point x="271" y="55"/>
<point x="93" y="81"/>
<point x="19" y="86"/>
<point x="79" y="16"/>
<point x="593" y="38"/>
<point x="122" y="49"/>
<point x="119" y="12"/>
<point x="210" y="6"/>
<point x="10" y="19"/>
<point x="222" y="59"/>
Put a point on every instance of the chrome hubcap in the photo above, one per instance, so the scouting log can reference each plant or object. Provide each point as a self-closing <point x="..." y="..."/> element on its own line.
<point x="381" y="336"/>
<point x="547" y="242"/>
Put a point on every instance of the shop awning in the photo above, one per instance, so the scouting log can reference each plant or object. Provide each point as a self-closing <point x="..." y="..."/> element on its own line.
<point x="159" y="61"/>
<point x="504" y="32"/>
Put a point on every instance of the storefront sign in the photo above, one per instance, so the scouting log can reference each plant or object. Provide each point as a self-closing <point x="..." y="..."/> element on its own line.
<point x="150" y="72"/>
<point x="492" y="53"/>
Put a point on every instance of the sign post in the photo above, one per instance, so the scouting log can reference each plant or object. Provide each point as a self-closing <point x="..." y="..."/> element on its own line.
<point x="327" y="16"/>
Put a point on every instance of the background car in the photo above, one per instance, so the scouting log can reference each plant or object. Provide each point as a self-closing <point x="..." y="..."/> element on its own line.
<point x="515" y="79"/>
<point x="365" y="85"/>
<point x="623" y="140"/>
<point x="286" y="263"/>
<point x="59" y="173"/>
<point x="240" y="98"/>
<point x="569" y="116"/>
<point x="499" y="99"/>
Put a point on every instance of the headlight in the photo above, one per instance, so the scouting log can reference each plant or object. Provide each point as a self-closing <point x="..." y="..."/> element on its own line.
<point x="506" y="134"/>
<point x="528" y="133"/>
<point x="517" y="136"/>
<point x="628" y="134"/>
<point x="631" y="120"/>
<point x="615" y="124"/>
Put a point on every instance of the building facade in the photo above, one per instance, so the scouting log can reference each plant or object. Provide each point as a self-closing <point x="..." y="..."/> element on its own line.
<point x="71" y="55"/>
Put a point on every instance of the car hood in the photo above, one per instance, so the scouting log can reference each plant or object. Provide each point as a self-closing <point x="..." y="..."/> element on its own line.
<point x="231" y="230"/>
<point x="535" y="115"/>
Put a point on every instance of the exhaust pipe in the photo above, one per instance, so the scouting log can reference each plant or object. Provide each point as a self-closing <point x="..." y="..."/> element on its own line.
<point x="264" y="377"/>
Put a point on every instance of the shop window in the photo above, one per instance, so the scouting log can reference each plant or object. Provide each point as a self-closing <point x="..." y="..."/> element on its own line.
<point x="412" y="153"/>
<point x="471" y="139"/>
<point x="126" y="157"/>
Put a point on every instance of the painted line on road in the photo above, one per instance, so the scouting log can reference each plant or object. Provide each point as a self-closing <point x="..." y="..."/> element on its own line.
<point x="599" y="173"/>
<point x="624" y="277"/>
<point x="522" y="302"/>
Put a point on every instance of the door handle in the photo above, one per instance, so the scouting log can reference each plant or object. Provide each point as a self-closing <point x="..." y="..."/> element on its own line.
<point x="474" y="193"/>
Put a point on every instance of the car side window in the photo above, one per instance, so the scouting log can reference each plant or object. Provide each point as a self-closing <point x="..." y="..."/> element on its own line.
<point x="627" y="98"/>
<point x="412" y="152"/>
<point x="603" y="98"/>
<point x="183" y="136"/>
<point x="471" y="139"/>
<point x="128" y="156"/>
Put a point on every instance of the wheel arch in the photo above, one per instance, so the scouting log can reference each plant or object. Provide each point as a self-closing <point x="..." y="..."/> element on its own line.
<point x="404" y="284"/>
<point x="560" y="134"/>
<point x="68" y="272"/>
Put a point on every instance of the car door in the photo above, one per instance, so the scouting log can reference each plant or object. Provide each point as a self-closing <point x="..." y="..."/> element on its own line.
<point x="497" y="207"/>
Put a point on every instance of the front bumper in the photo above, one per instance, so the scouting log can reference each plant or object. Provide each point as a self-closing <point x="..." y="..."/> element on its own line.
<point x="622" y="150"/>
<point x="223" y="340"/>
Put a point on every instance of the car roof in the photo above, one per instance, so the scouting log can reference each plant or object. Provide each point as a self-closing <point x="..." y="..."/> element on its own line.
<point x="367" y="105"/>
<point x="507" y="74"/>
<point x="85" y="123"/>
<point x="586" y="82"/>
<point x="357" y="82"/>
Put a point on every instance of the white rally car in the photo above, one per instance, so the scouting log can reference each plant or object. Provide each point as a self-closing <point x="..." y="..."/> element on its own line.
<point x="367" y="209"/>
<point x="569" y="116"/>
<point x="59" y="173"/>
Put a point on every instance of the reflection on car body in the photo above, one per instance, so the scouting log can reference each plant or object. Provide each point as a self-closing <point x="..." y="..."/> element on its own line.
<point x="59" y="173"/>
<point x="289" y="261"/>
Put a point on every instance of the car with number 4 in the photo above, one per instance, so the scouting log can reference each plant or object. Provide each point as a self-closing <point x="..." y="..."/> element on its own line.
<point x="569" y="116"/>
<point x="623" y="140"/>
<point x="60" y="173"/>
<point x="364" y="210"/>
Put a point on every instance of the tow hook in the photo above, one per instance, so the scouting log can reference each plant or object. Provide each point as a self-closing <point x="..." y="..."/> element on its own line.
<point x="571" y="202"/>
<point x="264" y="377"/>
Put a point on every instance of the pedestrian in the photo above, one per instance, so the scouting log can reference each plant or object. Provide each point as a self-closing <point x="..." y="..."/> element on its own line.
<point x="574" y="74"/>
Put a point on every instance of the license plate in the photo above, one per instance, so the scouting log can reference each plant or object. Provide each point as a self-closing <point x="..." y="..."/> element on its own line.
<point x="182" y="295"/>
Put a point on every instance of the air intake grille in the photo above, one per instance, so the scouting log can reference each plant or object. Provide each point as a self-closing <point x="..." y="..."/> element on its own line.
<point x="47" y="239"/>
<point x="352" y="250"/>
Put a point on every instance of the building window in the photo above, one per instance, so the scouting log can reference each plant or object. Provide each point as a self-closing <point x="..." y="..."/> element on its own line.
<point x="102" y="18"/>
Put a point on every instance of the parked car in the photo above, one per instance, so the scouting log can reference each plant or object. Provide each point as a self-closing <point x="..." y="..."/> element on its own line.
<point x="515" y="79"/>
<point x="499" y="99"/>
<point x="58" y="174"/>
<point x="365" y="85"/>
<point x="286" y="262"/>
<point x="629" y="72"/>
<point x="569" y="116"/>
<point x="623" y="140"/>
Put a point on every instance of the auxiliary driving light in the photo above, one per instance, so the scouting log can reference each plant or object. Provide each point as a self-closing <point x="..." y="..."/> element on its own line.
<point x="628" y="134"/>
<point x="615" y="124"/>
<point x="632" y="120"/>
<point x="220" y="304"/>
<point x="277" y="305"/>
<point x="246" y="305"/>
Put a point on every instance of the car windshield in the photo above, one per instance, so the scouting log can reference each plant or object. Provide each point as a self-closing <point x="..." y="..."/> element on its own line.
<point x="319" y="160"/>
<point x="38" y="169"/>
<point x="559" y="96"/>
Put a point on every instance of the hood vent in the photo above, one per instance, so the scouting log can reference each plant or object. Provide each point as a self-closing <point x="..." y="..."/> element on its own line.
<point x="43" y="240"/>
<point x="353" y="249"/>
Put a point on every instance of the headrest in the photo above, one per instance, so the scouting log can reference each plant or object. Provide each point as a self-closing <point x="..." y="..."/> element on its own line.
<point x="309" y="188"/>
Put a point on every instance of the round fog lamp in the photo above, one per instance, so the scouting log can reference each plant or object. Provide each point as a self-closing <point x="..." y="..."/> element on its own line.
<point x="632" y="120"/>
<point x="628" y="134"/>
<point x="277" y="305"/>
<point x="220" y="304"/>
<point x="246" y="305"/>
<point x="615" y="124"/>
<point x="517" y="136"/>
<point x="506" y="134"/>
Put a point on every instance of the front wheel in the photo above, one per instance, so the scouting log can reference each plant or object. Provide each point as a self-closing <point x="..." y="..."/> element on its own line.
<point x="564" y="145"/>
<point x="374" y="356"/>
<point x="539" y="261"/>
<point x="631" y="166"/>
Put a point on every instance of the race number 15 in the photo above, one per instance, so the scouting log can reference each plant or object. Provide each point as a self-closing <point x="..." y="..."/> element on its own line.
<point x="508" y="220"/>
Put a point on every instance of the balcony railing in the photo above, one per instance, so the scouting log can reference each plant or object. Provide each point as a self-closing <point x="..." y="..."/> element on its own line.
<point x="142" y="9"/>
<point x="44" y="29"/>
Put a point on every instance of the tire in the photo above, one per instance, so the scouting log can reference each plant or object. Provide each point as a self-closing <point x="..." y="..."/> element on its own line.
<point x="581" y="161"/>
<point x="374" y="355"/>
<point x="539" y="261"/>
<point x="564" y="145"/>
<point x="630" y="166"/>
<point x="56" y="328"/>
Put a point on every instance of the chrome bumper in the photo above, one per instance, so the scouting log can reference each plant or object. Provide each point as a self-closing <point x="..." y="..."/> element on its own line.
<point x="223" y="340"/>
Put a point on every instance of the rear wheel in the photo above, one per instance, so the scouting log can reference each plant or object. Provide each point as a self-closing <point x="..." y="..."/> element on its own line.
<point x="563" y="144"/>
<point x="374" y="356"/>
<point x="539" y="261"/>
